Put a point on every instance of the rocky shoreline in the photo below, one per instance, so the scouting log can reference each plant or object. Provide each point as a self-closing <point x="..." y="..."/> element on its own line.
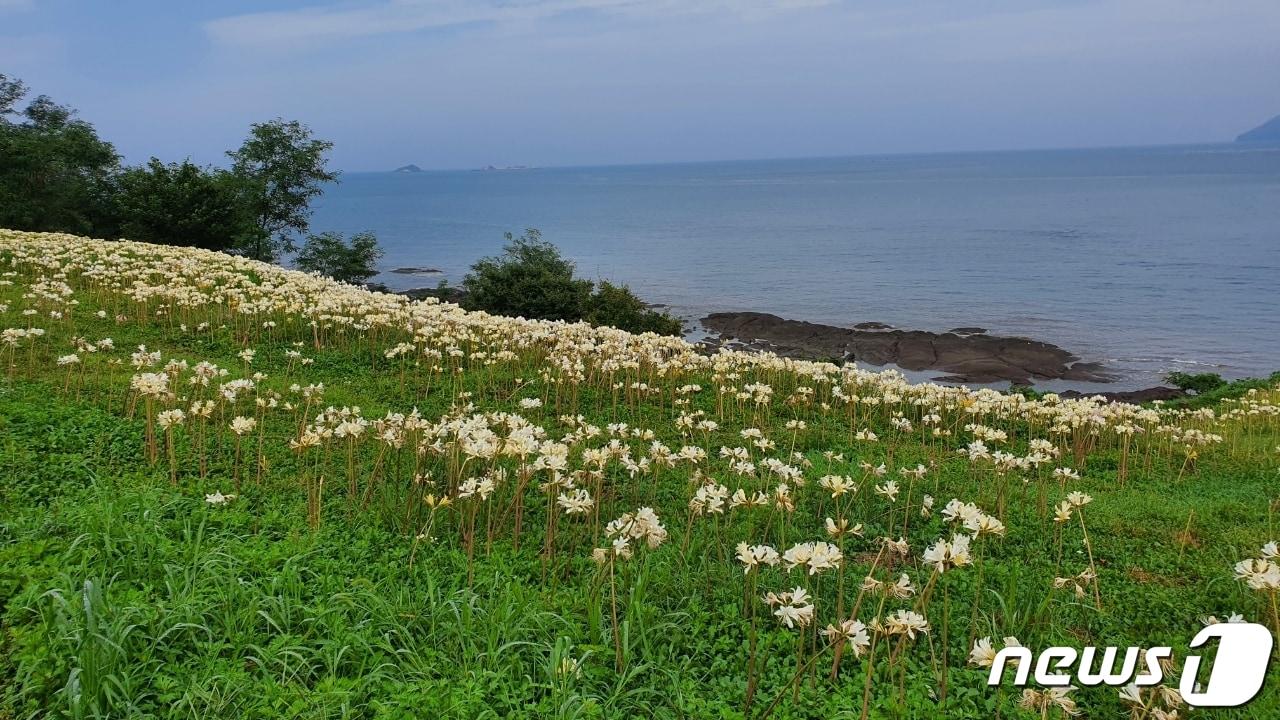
<point x="965" y="354"/>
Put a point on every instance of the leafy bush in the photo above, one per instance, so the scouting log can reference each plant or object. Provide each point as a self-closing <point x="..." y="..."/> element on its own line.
<point x="1215" y="394"/>
<point x="182" y="204"/>
<point x="329" y="254"/>
<point x="616" y="306"/>
<point x="531" y="279"/>
<point x="1198" y="383"/>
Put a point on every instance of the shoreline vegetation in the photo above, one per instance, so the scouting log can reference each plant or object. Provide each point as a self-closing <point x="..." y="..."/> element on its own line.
<point x="969" y="355"/>
<point x="237" y="490"/>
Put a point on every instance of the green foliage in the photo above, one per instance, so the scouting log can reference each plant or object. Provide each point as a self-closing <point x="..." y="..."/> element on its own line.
<point x="531" y="279"/>
<point x="1216" y="392"/>
<point x="121" y="596"/>
<point x="183" y="204"/>
<point x="616" y="306"/>
<point x="1025" y="391"/>
<point x="284" y="167"/>
<point x="353" y="261"/>
<point x="1198" y="383"/>
<point x="55" y="172"/>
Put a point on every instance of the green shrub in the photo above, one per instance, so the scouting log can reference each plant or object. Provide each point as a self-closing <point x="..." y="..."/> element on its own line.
<point x="616" y="306"/>
<point x="182" y="204"/>
<point x="531" y="279"/>
<point x="329" y="254"/>
<point x="1198" y="383"/>
<point x="1213" y="394"/>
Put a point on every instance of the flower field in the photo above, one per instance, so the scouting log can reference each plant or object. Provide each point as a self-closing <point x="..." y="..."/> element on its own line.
<point x="233" y="490"/>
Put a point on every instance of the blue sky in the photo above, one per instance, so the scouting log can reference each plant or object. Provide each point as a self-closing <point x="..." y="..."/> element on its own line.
<point x="465" y="83"/>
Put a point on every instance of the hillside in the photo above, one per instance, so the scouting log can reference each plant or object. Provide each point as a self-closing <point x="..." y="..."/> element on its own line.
<point x="235" y="490"/>
<point x="1267" y="132"/>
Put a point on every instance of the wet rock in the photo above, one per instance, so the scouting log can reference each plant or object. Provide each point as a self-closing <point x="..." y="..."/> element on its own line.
<point x="872" y="326"/>
<point x="1136" y="397"/>
<point x="445" y="294"/>
<point x="971" y="358"/>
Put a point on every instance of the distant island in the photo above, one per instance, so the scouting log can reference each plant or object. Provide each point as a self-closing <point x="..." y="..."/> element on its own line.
<point x="488" y="168"/>
<point x="410" y="168"/>
<point x="1268" y="131"/>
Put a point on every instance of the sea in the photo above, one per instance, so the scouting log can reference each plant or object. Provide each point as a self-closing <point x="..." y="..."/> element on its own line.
<point x="1147" y="259"/>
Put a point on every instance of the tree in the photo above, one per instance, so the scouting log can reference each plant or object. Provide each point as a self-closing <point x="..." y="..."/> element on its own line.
<point x="183" y="204"/>
<point x="284" y="167"/>
<point x="329" y="254"/>
<point x="530" y="279"/>
<point x="55" y="172"/>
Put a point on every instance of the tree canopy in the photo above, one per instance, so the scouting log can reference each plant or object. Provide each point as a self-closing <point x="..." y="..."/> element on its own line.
<point x="55" y="172"/>
<point x="329" y="254"/>
<point x="183" y="204"/>
<point x="284" y="167"/>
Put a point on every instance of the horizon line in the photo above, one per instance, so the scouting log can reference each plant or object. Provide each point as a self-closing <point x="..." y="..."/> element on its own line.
<point x="781" y="158"/>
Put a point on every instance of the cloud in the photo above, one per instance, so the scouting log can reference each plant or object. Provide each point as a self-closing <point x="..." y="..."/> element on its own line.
<point x="317" y="23"/>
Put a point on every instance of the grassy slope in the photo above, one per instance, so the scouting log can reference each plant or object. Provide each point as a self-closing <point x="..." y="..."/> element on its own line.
<point x="122" y="596"/>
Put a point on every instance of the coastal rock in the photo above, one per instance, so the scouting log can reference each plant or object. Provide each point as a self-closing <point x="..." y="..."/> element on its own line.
<point x="970" y="358"/>
<point x="448" y="294"/>
<point x="872" y="326"/>
<point x="1132" y="396"/>
<point x="966" y="331"/>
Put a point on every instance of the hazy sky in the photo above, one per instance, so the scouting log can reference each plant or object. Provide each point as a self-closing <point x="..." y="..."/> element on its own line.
<point x="464" y="83"/>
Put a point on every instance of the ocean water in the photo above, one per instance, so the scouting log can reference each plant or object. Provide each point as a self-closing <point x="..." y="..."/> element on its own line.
<point x="1146" y="259"/>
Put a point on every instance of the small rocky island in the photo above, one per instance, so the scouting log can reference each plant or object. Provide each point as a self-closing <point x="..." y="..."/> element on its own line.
<point x="410" y="168"/>
<point x="1267" y="132"/>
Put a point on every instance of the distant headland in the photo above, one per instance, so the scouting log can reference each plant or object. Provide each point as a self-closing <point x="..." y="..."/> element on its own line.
<point x="410" y="168"/>
<point x="1268" y="131"/>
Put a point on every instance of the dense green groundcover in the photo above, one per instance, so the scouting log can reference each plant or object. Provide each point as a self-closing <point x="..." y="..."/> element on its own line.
<point x="121" y="596"/>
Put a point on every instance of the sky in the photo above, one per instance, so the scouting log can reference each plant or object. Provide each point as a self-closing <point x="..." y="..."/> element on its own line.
<point x="469" y="83"/>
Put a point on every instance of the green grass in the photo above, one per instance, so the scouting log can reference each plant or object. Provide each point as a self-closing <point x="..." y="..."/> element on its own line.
<point x="121" y="596"/>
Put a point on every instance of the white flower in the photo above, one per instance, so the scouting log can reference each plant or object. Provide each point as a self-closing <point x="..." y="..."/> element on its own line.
<point x="889" y="490"/>
<point x="793" y="608"/>
<point x="752" y="556"/>
<point x="982" y="654"/>
<point x="217" y="498"/>
<point x="1078" y="499"/>
<point x="852" y="632"/>
<point x="1132" y="694"/>
<point x="943" y="555"/>
<point x="1259" y="574"/>
<point x="577" y="501"/>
